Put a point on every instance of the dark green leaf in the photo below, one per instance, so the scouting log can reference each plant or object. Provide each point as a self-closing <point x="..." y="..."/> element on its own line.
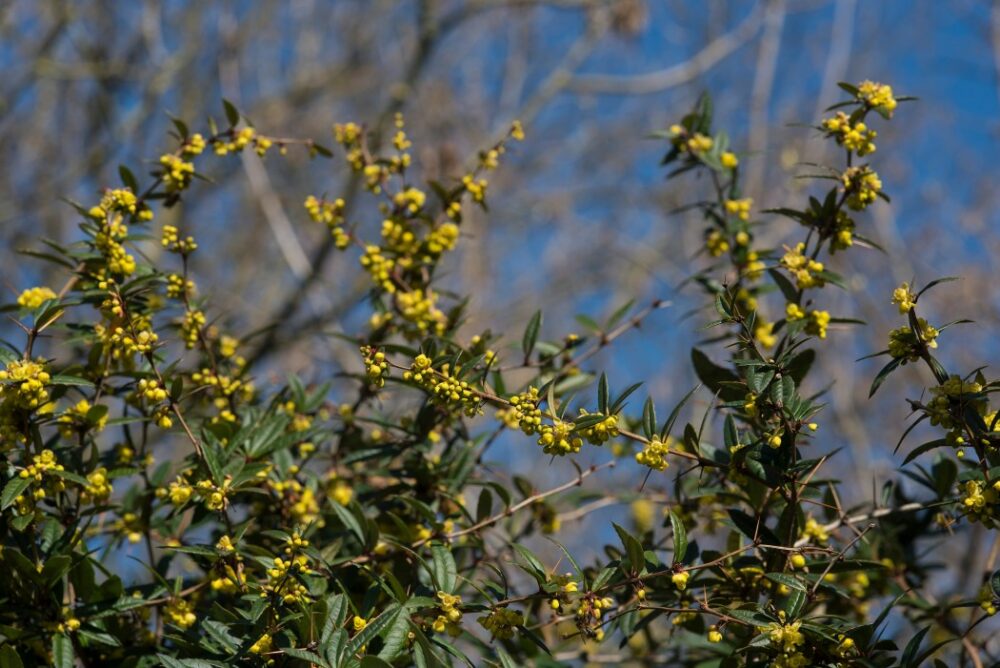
<point x="680" y="537"/>
<point x="444" y="569"/>
<point x="12" y="490"/>
<point x="232" y="114"/>
<point x="531" y="334"/>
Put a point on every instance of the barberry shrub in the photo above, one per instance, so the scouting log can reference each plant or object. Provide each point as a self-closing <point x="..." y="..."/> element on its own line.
<point x="161" y="507"/>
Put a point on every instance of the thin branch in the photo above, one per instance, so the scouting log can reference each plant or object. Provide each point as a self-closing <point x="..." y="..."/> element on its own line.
<point x="676" y="75"/>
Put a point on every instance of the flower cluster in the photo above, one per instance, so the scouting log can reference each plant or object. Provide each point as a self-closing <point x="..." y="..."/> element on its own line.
<point x="559" y="438"/>
<point x="283" y="580"/>
<point x="180" y="613"/>
<point x="32" y="298"/>
<point x="524" y="413"/>
<point x="450" y="618"/>
<point x="445" y="388"/>
<point x="172" y="241"/>
<point x="862" y="186"/>
<point x="906" y="344"/>
<point x="23" y="384"/>
<point x="692" y="142"/>
<point x="177" y="172"/>
<point x="654" y="454"/>
<point x="601" y="432"/>
<point x="877" y="96"/>
<point x="501" y="622"/>
<point x="787" y="638"/>
<point x="740" y="208"/>
<point x="805" y="270"/>
<point x="904" y="297"/>
<point x="816" y="321"/>
<point x="330" y="214"/>
<point x="980" y="501"/>
<point x="856" y="137"/>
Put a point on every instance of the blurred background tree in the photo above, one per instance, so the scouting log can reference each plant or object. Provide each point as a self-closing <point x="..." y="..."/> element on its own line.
<point x="586" y="222"/>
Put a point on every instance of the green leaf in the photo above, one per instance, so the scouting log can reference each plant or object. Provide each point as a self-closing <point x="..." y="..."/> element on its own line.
<point x="335" y="615"/>
<point x="924" y="448"/>
<point x="633" y="548"/>
<point x="395" y="639"/>
<point x="533" y="562"/>
<point x="128" y="178"/>
<point x="62" y="652"/>
<point x="374" y="628"/>
<point x="12" y="490"/>
<point x="672" y="418"/>
<point x="680" y="537"/>
<point x="349" y="520"/>
<point x="444" y="570"/>
<point x="603" y="394"/>
<point x="799" y="365"/>
<point x="787" y="580"/>
<point x="484" y="505"/>
<point x="710" y="373"/>
<point x="232" y="114"/>
<point x="220" y="633"/>
<point x="750" y="528"/>
<point x="944" y="279"/>
<point x="649" y="418"/>
<point x="505" y="660"/>
<point x="851" y="89"/>
<point x="882" y="375"/>
<point x="531" y="334"/>
<point x="305" y="655"/>
<point x="794" y="602"/>
<point x="374" y="662"/>
<point x="731" y="436"/>
<point x="786" y="287"/>
<point x="619" y="313"/>
<point x="912" y="647"/>
<point x="64" y="379"/>
<point x="9" y="657"/>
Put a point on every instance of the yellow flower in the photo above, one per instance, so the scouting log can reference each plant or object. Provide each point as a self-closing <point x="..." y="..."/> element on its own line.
<point x="262" y="646"/>
<point x="643" y="515"/>
<point x="862" y="186"/>
<point x="179" y="613"/>
<point x="739" y="208"/>
<point x="680" y="580"/>
<point x="24" y="384"/>
<point x="763" y="332"/>
<point x="517" y="131"/>
<point x="815" y="531"/>
<point x="716" y="243"/>
<point x="699" y="143"/>
<point x="654" y="454"/>
<point x="877" y="96"/>
<point x="98" y="486"/>
<point x="729" y="160"/>
<point x="854" y="137"/>
<point x="177" y="173"/>
<point x="34" y="297"/>
<point x="559" y="438"/>
<point x="818" y="321"/>
<point x="225" y="545"/>
<point x="802" y="268"/>
<point x="785" y="636"/>
<point x="904" y="298"/>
